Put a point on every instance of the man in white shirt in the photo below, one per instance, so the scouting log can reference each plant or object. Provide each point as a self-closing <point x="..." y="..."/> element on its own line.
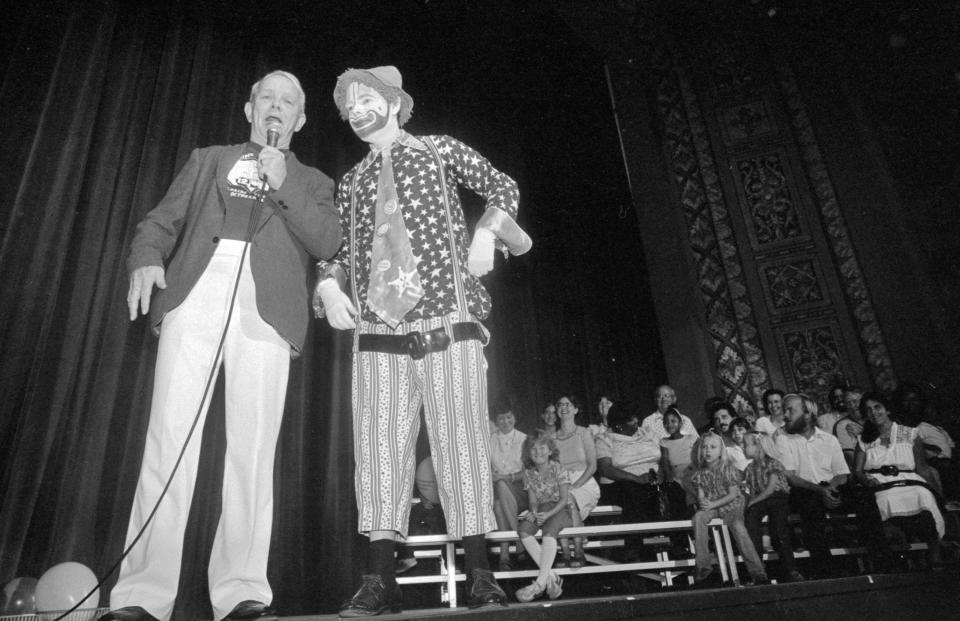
<point x="665" y="397"/>
<point x="817" y="472"/>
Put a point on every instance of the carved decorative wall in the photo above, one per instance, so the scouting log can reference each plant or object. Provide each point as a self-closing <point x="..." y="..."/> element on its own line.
<point x="777" y="271"/>
<point x="739" y="361"/>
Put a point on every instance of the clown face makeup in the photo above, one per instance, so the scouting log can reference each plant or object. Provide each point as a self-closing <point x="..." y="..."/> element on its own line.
<point x="368" y="110"/>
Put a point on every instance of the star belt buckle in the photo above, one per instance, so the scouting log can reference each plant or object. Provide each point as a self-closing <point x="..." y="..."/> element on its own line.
<point x="890" y="471"/>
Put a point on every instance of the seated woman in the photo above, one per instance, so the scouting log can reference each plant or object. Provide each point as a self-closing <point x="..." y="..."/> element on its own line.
<point x="548" y="419"/>
<point x="771" y="424"/>
<point x="631" y="458"/>
<point x="603" y="406"/>
<point x="506" y="464"/>
<point x="578" y="456"/>
<point x="890" y="461"/>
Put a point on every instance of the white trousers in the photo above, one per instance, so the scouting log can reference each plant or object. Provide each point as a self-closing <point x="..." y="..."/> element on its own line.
<point x="256" y="363"/>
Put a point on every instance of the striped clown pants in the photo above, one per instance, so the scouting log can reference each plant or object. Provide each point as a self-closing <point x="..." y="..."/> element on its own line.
<point x="388" y="390"/>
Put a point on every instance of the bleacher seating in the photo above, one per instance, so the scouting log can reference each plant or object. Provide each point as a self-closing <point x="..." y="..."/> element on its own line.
<point x="603" y="536"/>
<point x="600" y="537"/>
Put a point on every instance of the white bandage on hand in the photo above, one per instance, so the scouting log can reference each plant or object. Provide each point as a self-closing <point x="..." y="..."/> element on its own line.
<point x="480" y="258"/>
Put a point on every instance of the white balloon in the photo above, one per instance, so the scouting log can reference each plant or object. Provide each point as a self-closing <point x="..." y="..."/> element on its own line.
<point x="63" y="585"/>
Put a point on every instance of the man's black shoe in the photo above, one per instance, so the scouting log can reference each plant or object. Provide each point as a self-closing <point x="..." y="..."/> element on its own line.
<point x="485" y="591"/>
<point x="128" y="613"/>
<point x="372" y="598"/>
<point x="251" y="609"/>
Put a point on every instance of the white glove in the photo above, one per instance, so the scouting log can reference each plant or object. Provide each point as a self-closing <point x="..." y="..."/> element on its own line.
<point x="480" y="259"/>
<point x="336" y="304"/>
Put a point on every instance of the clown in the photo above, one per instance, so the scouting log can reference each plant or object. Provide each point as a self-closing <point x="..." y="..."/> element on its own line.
<point x="415" y="302"/>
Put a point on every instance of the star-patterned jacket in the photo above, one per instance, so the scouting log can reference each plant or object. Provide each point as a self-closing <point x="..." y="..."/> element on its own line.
<point x="430" y="204"/>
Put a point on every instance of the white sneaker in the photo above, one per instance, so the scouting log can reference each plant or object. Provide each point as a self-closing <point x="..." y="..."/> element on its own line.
<point x="404" y="564"/>
<point x="530" y="592"/>
<point x="554" y="586"/>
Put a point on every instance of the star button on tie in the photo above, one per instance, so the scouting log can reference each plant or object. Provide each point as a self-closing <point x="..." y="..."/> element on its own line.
<point x="394" y="281"/>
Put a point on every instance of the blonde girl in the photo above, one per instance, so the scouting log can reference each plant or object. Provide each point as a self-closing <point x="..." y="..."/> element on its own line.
<point x="716" y="483"/>
<point x="548" y="489"/>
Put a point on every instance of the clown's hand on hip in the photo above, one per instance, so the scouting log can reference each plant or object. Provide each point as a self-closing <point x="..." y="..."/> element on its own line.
<point x="495" y="227"/>
<point x="480" y="258"/>
<point x="329" y="299"/>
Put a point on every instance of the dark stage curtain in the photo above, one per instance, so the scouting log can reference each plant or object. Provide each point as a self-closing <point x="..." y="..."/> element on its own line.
<point x="102" y="105"/>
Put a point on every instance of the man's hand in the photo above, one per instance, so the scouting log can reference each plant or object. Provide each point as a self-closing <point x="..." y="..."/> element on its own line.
<point x="831" y="498"/>
<point x="480" y="258"/>
<point x="336" y="304"/>
<point x="272" y="166"/>
<point x="142" y="281"/>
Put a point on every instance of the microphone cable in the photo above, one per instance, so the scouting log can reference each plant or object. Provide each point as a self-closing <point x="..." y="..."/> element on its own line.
<point x="272" y="139"/>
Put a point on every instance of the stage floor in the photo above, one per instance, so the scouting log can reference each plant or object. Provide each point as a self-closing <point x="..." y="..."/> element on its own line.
<point x="931" y="596"/>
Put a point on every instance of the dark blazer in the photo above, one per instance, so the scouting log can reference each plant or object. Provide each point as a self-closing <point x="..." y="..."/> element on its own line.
<point x="298" y="221"/>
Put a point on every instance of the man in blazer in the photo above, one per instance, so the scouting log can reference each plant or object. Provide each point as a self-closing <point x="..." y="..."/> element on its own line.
<point x="232" y="280"/>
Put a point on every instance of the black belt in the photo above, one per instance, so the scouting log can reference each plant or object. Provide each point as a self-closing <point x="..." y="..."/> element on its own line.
<point x="419" y="344"/>
<point x="887" y="471"/>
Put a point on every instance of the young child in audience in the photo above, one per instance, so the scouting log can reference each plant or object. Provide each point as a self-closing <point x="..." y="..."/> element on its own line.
<point x="734" y="439"/>
<point x="676" y="454"/>
<point x="768" y="493"/>
<point x="548" y="486"/>
<point x="716" y="481"/>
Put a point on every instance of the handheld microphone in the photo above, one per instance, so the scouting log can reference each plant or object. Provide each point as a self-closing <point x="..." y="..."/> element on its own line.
<point x="273" y="134"/>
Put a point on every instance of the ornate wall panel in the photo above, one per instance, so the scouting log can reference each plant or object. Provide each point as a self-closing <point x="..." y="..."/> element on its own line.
<point x="814" y="355"/>
<point x="778" y="275"/>
<point x="740" y="365"/>
<point x="854" y="285"/>
<point x="794" y="283"/>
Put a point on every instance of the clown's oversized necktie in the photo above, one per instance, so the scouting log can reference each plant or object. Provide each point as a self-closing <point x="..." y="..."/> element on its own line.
<point x="394" y="281"/>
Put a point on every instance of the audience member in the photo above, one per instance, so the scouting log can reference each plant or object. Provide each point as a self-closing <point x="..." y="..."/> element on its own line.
<point x="578" y="456"/>
<point x="426" y="516"/>
<point x="709" y="404"/>
<point x="664" y="398"/>
<point x="849" y="428"/>
<point x="603" y="406"/>
<point x="721" y="415"/>
<point x="733" y="438"/>
<point x="768" y="495"/>
<point x="890" y="462"/>
<point x="837" y="409"/>
<point x="770" y="425"/>
<point x="549" y="421"/>
<point x="548" y="489"/>
<point x="717" y="484"/>
<point x="676" y="455"/>
<point x="816" y="471"/>
<point x="630" y="457"/>
<point x="506" y="461"/>
<point x="913" y="407"/>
